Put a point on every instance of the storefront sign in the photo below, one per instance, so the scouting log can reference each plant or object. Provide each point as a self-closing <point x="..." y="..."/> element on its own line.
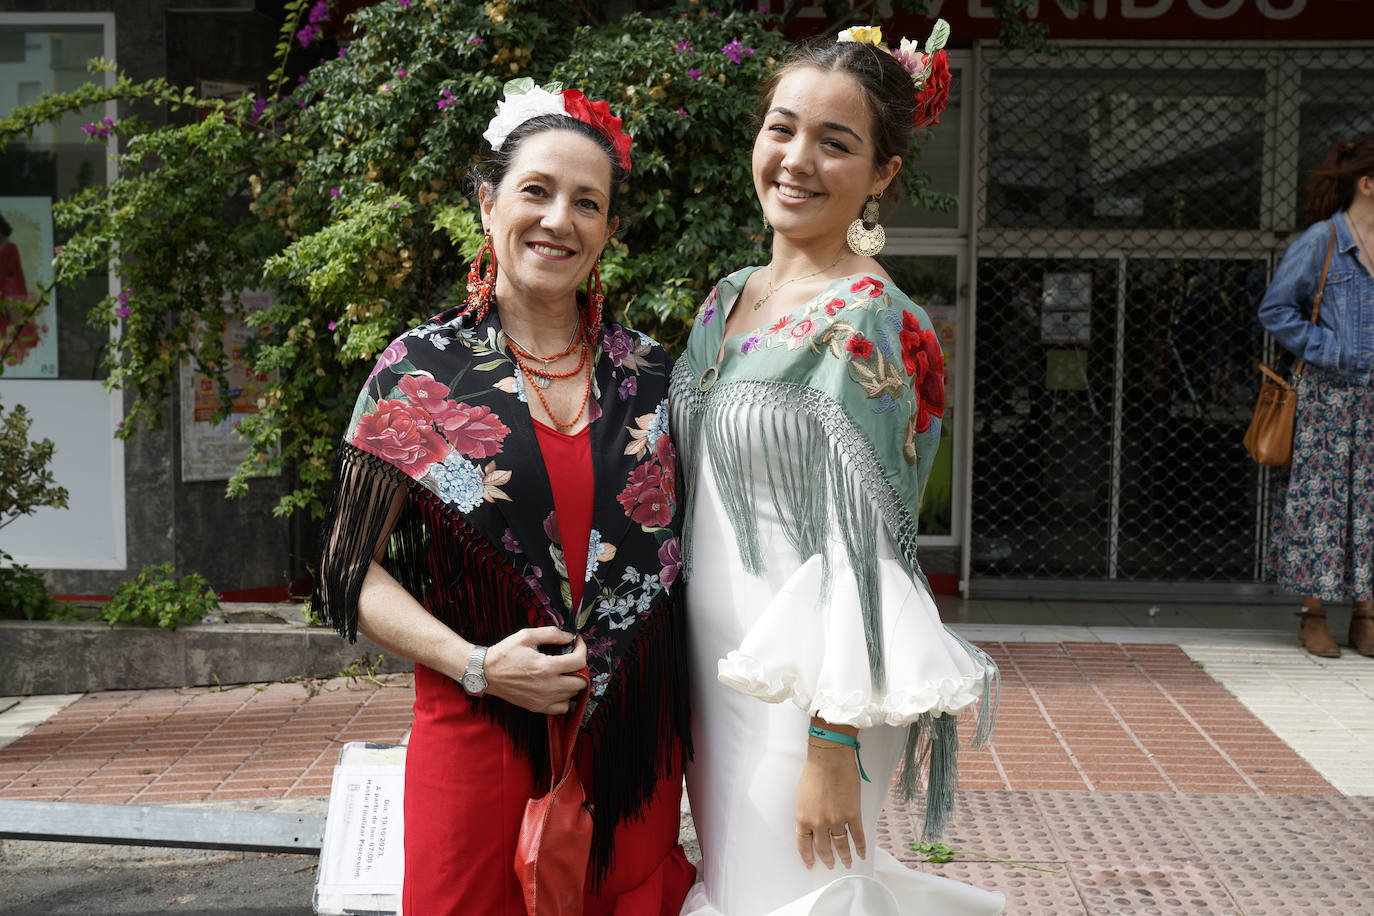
<point x="1143" y="19"/>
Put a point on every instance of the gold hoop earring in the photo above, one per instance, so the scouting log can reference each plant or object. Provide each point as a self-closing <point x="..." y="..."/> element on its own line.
<point x="866" y="236"/>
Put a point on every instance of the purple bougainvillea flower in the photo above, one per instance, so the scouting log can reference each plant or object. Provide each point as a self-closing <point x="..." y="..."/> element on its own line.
<point x="694" y="74"/>
<point x="477" y="40"/>
<point x="402" y="74"/>
<point x="681" y="111"/>
<point x="684" y="47"/>
<point x="333" y="192"/>
<point x="333" y="325"/>
<point x="404" y="4"/>
<point x="736" y="51"/>
<point x="259" y="106"/>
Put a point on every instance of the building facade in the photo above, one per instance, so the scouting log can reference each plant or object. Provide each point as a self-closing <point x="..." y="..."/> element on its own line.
<point x="1120" y="207"/>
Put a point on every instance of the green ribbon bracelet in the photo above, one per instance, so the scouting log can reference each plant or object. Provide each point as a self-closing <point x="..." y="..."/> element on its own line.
<point x="840" y="738"/>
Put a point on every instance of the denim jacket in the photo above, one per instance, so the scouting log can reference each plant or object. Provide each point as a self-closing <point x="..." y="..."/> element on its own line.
<point x="1342" y="340"/>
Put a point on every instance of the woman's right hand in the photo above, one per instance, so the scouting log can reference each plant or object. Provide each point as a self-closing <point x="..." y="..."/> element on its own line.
<point x="519" y="673"/>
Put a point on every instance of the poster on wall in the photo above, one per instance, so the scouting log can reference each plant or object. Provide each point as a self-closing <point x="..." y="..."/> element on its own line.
<point x="28" y="340"/>
<point x="1066" y="308"/>
<point x="210" y="450"/>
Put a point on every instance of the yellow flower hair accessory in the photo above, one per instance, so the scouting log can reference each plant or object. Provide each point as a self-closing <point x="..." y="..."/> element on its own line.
<point x="864" y="34"/>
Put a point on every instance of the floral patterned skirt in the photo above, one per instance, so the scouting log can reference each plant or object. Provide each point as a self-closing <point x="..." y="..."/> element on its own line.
<point x="1322" y="542"/>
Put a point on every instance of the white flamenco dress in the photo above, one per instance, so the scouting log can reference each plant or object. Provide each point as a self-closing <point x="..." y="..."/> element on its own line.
<point x="803" y="593"/>
<point x="764" y="656"/>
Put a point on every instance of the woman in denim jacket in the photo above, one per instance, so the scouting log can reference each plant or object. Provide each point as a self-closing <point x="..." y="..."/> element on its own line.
<point x="1322" y="545"/>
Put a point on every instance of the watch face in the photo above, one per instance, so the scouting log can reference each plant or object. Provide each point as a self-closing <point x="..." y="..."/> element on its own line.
<point x="474" y="683"/>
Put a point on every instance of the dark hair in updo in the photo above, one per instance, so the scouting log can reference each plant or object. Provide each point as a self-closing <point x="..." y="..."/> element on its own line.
<point x="5" y="229"/>
<point x="887" y="89"/>
<point x="492" y="170"/>
<point x="1333" y="181"/>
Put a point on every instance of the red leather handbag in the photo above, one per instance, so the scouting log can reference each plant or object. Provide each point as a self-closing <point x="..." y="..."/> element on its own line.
<point x="556" y="835"/>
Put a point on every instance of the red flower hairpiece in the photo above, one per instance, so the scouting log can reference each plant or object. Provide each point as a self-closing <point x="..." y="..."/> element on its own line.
<point x="598" y="115"/>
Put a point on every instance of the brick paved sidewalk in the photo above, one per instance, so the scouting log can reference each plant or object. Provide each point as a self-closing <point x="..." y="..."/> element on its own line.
<point x="1126" y="767"/>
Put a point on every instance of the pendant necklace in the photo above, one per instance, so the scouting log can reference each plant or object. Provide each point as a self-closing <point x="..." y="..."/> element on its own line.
<point x="545" y="378"/>
<point x="772" y="289"/>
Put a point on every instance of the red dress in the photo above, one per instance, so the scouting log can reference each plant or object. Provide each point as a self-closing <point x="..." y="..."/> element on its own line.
<point x="466" y="789"/>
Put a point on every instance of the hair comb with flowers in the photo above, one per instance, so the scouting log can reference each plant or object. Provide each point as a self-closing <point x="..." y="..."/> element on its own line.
<point x="524" y="100"/>
<point x="929" y="69"/>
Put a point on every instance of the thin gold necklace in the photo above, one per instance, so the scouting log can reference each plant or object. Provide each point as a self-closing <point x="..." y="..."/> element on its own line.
<point x="1365" y="253"/>
<point x="773" y="289"/>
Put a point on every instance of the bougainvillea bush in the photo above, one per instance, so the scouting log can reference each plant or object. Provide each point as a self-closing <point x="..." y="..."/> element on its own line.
<point x="344" y="191"/>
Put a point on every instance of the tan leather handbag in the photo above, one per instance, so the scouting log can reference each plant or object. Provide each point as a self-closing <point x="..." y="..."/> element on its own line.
<point x="1269" y="440"/>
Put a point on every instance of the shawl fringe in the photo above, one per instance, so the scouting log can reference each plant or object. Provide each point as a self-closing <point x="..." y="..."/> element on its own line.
<point x="646" y="731"/>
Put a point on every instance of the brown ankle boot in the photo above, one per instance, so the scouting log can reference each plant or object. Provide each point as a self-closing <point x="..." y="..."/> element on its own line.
<point x="1314" y="637"/>
<point x="1362" y="632"/>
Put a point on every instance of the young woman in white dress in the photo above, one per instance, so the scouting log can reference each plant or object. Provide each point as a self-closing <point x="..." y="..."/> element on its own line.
<point x="807" y="409"/>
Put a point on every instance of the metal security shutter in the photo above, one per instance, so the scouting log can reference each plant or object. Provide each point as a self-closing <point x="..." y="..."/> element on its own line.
<point x="1130" y="207"/>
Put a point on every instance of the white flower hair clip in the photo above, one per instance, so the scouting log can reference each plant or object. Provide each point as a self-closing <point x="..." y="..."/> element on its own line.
<point x="523" y="101"/>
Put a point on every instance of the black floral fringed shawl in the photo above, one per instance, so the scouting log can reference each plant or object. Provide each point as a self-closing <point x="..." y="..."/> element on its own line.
<point x="444" y="416"/>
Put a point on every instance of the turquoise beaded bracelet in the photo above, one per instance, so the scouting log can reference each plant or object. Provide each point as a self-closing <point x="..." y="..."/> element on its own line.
<point x="840" y="738"/>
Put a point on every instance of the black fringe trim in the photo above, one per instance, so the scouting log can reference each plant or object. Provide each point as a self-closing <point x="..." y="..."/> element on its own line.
<point x="643" y="734"/>
<point x="639" y="731"/>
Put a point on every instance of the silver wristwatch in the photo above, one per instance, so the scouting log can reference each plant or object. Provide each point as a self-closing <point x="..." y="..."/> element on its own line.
<point x="474" y="679"/>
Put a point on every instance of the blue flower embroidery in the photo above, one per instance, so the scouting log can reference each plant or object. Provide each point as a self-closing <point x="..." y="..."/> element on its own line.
<point x="460" y="482"/>
<point x="659" y="426"/>
<point x="593" y="551"/>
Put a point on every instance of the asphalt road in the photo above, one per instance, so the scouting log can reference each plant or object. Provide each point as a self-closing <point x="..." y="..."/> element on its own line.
<point x="237" y="885"/>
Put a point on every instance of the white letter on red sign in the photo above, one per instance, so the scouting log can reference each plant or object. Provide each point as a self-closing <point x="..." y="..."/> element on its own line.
<point x="1266" y="8"/>
<point x="1225" y="11"/>
<point x="1137" y="9"/>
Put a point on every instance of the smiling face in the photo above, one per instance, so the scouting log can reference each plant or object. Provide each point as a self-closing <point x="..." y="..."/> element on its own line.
<point x="813" y="156"/>
<point x="549" y="218"/>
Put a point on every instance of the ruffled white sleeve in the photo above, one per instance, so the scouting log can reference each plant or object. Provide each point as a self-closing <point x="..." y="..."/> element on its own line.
<point x="808" y="648"/>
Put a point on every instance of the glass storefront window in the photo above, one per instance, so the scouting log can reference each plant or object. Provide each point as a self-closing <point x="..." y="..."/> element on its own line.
<point x="1334" y="106"/>
<point x="57" y="161"/>
<point x="1125" y="144"/>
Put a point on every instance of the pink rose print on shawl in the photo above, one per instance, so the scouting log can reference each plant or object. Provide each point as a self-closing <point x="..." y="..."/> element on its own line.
<point x="870" y="286"/>
<point x="833" y="306"/>
<point x="803" y="328"/>
<point x="403" y="435"/>
<point x="390" y="357"/>
<point x="617" y="343"/>
<point x="475" y="432"/>
<point x="925" y="363"/>
<point x="644" y="498"/>
<point x="670" y="555"/>
<point x="666" y="454"/>
<point x="424" y="392"/>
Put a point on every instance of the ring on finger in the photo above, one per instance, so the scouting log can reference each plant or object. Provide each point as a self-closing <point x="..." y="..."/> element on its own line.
<point x="804" y="833"/>
<point x="844" y="832"/>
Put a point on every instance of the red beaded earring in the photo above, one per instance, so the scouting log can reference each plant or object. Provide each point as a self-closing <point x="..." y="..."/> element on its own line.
<point x="596" y="299"/>
<point x="481" y="286"/>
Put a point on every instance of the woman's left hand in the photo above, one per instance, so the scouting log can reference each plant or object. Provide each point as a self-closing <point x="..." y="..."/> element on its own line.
<point x="829" y="816"/>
